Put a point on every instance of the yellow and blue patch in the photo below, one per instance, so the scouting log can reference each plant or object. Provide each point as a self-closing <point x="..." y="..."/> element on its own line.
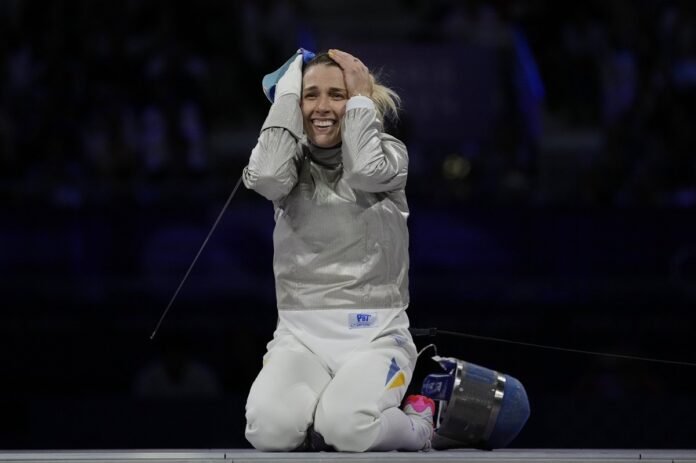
<point x="395" y="377"/>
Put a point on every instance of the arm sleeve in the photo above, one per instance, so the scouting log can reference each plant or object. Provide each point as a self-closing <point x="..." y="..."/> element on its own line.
<point x="372" y="160"/>
<point x="272" y="168"/>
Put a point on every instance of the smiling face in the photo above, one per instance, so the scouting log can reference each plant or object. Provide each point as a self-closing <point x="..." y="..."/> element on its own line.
<point x="323" y="104"/>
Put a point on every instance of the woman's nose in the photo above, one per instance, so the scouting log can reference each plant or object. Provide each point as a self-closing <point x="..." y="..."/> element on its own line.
<point x="323" y="103"/>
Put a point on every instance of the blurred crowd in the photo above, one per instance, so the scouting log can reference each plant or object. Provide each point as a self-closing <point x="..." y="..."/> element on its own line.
<point x="101" y="101"/>
<point x="628" y="68"/>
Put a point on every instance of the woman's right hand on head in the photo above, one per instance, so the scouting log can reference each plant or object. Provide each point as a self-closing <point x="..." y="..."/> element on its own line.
<point x="291" y="81"/>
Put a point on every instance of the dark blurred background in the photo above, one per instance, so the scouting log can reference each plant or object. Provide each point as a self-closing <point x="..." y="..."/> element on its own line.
<point x="552" y="187"/>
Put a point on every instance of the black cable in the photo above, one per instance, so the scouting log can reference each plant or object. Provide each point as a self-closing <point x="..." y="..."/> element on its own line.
<point x="433" y="332"/>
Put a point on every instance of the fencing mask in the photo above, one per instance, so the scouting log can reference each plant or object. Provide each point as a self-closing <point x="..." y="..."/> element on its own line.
<point x="478" y="407"/>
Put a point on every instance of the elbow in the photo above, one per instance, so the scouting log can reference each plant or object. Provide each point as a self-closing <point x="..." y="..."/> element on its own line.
<point x="273" y="188"/>
<point x="269" y="186"/>
<point x="375" y="182"/>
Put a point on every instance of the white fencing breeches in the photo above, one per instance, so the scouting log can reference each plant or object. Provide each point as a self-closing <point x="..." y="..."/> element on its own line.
<point x="354" y="409"/>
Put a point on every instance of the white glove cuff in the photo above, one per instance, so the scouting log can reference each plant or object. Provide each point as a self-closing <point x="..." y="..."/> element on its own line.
<point x="285" y="113"/>
<point x="360" y="101"/>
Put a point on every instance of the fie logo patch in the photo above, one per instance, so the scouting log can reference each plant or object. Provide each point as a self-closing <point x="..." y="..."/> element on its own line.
<point x="361" y="320"/>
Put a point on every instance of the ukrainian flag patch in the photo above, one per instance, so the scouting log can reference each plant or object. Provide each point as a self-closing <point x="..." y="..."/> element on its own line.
<point x="395" y="377"/>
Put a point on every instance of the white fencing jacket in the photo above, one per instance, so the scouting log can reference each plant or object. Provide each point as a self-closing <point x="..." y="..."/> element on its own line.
<point x="340" y="238"/>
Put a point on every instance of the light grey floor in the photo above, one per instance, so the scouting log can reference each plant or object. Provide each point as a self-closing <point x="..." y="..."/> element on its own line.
<point x="251" y="456"/>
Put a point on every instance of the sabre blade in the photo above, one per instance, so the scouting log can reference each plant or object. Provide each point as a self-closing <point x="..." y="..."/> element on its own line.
<point x="195" y="259"/>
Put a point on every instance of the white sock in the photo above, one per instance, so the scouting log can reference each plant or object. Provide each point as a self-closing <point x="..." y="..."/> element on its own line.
<point x="399" y="431"/>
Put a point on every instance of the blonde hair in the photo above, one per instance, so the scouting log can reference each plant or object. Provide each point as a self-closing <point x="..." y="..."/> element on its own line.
<point x="387" y="101"/>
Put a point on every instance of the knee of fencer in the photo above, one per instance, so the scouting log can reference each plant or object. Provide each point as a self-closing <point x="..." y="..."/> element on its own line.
<point x="272" y="430"/>
<point x="348" y="430"/>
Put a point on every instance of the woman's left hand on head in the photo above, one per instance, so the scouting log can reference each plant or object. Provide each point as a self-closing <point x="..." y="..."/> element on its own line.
<point x="355" y="73"/>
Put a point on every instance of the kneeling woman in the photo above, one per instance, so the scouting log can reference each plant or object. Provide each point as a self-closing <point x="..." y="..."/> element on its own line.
<point x="341" y="357"/>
